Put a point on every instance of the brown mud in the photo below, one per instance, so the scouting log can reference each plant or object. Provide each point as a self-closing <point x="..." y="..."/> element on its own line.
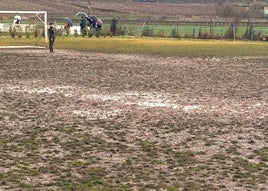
<point x="80" y="120"/>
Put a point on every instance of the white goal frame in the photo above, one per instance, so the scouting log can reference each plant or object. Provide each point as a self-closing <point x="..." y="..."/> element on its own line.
<point x="37" y="13"/>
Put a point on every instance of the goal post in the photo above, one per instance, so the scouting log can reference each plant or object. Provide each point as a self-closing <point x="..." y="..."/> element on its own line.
<point x="41" y="16"/>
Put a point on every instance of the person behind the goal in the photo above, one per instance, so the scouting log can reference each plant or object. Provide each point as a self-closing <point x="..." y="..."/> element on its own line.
<point x="51" y="35"/>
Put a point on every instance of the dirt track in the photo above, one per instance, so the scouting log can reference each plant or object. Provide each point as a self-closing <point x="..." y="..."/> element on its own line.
<point x="79" y="120"/>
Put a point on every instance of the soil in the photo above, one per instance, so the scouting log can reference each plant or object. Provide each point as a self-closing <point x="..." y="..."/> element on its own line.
<point x="78" y="120"/>
<point x="111" y="8"/>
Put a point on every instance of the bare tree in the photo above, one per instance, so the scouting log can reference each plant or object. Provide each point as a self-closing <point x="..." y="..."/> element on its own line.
<point x="89" y="7"/>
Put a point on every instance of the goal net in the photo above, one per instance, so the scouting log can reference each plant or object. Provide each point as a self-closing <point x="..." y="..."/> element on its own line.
<point x="23" y="29"/>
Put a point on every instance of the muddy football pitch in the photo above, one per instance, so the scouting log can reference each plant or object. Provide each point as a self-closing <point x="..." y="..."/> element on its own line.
<point x="77" y="120"/>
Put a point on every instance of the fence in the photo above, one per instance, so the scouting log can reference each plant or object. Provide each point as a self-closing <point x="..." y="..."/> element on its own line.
<point x="208" y="29"/>
<point x="190" y="29"/>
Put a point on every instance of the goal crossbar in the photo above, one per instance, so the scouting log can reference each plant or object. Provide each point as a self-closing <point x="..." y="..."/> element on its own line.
<point x="32" y="12"/>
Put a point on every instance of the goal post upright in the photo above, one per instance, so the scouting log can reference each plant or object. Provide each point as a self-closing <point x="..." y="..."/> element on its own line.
<point x="44" y="20"/>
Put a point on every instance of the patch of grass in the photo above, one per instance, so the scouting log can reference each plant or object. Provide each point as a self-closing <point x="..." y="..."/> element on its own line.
<point x="150" y="149"/>
<point x="220" y="157"/>
<point x="172" y="47"/>
<point x="183" y="158"/>
<point x="92" y="179"/>
<point x="233" y="150"/>
<point x="248" y="172"/>
<point x="26" y="186"/>
<point x="155" y="46"/>
<point x="262" y="154"/>
<point x="209" y="142"/>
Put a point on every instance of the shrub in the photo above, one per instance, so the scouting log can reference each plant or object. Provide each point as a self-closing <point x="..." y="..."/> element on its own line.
<point x="27" y="32"/>
<point x="104" y="34"/>
<point x="258" y="35"/>
<point x="175" y="33"/>
<point x="113" y="27"/>
<point x="98" y="32"/>
<point x="130" y="33"/>
<point x="216" y="36"/>
<point x="229" y="33"/>
<point x="19" y="34"/>
<point x="59" y="32"/>
<point x="36" y="32"/>
<point x="187" y="35"/>
<point x="84" y="32"/>
<point x="89" y="32"/>
<point x="67" y="31"/>
<point x="121" y="31"/>
<point x="147" y="32"/>
<point x="12" y="32"/>
<point x="160" y="33"/>
<point x="204" y="35"/>
<point x="75" y="33"/>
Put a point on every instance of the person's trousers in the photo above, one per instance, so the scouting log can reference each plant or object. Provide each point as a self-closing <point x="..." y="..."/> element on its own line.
<point x="51" y="44"/>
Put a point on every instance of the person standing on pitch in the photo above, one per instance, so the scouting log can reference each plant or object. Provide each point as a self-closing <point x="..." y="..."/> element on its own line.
<point x="51" y="35"/>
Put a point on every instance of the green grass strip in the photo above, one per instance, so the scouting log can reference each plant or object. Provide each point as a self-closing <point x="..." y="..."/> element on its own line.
<point x="154" y="46"/>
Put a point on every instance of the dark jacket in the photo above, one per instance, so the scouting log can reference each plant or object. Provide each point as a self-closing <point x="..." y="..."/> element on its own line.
<point x="51" y="33"/>
<point x="83" y="23"/>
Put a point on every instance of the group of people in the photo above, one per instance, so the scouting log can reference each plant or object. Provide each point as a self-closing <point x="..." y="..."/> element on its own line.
<point x="86" y="21"/>
<point x="90" y="21"/>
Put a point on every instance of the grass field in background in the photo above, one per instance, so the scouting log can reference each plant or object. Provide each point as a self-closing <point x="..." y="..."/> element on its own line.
<point x="183" y="31"/>
<point x="153" y="46"/>
<point x="168" y="29"/>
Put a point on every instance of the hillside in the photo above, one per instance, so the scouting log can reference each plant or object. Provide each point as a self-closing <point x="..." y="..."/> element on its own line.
<point x="125" y="8"/>
<point x="211" y="1"/>
<point x="109" y="8"/>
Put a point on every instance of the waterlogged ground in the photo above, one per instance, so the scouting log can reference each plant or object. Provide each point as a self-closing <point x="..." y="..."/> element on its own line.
<point x="82" y="121"/>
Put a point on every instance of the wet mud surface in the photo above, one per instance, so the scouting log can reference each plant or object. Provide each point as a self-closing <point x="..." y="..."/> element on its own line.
<point x="80" y="120"/>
